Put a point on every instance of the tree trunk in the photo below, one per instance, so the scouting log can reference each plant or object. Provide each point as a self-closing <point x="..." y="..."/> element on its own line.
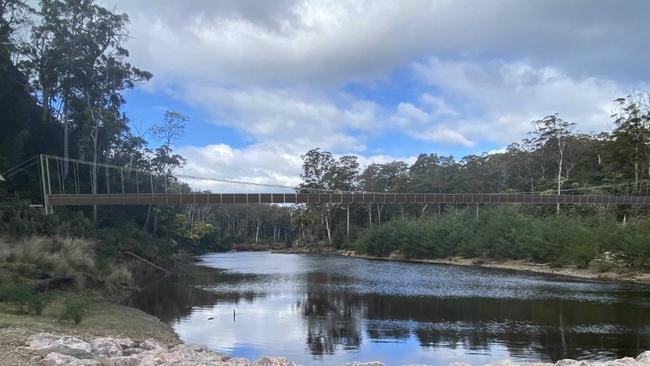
<point x="379" y="208"/>
<point x="347" y="227"/>
<point x="559" y="172"/>
<point x="369" y="215"/>
<point x="636" y="165"/>
<point x="327" y="228"/>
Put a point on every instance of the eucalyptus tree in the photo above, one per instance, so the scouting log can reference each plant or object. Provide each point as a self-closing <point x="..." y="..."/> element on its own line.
<point x="553" y="130"/>
<point x="631" y="136"/>
<point x="13" y="14"/>
<point x="321" y="171"/>
<point x="386" y="177"/>
<point x="78" y="70"/>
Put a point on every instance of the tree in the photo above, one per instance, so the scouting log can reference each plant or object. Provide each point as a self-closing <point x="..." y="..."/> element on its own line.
<point x="13" y="13"/>
<point x="78" y="70"/>
<point x="169" y="131"/>
<point x="632" y="133"/>
<point x="553" y="130"/>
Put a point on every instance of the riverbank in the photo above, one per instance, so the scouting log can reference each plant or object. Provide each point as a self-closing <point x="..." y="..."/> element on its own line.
<point x="616" y="274"/>
<point x="104" y="319"/>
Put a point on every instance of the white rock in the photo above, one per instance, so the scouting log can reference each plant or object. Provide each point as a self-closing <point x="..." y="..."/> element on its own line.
<point x="132" y="351"/>
<point x="122" y="361"/>
<point x="151" y="344"/>
<point x="237" y="361"/>
<point x="626" y="361"/>
<point x="47" y="343"/>
<point x="274" y="361"/>
<point x="105" y="347"/>
<point x="371" y="363"/>
<point x="501" y="363"/>
<point x="125" y="342"/>
<point x="566" y="362"/>
<point x="189" y="348"/>
<point x="59" y="359"/>
<point x="644" y="357"/>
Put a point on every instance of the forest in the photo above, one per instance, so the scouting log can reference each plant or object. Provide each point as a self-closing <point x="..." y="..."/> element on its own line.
<point x="64" y="71"/>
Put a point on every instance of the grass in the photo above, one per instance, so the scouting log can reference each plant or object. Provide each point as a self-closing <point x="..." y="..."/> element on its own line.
<point x="103" y="319"/>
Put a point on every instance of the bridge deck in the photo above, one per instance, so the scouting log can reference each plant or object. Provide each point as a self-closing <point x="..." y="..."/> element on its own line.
<point x="314" y="198"/>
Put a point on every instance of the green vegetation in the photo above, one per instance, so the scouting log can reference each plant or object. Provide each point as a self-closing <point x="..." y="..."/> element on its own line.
<point x="75" y="308"/>
<point x="509" y="233"/>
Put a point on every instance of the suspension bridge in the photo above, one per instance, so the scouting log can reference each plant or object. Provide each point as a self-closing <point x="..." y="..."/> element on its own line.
<point x="73" y="182"/>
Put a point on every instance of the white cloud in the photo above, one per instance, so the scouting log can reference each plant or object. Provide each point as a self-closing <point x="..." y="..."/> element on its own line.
<point x="499" y="99"/>
<point x="331" y="43"/>
<point x="276" y="71"/>
<point x="299" y="118"/>
<point x="258" y="163"/>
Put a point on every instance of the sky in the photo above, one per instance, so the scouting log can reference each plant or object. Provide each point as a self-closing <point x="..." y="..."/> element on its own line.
<point x="262" y="82"/>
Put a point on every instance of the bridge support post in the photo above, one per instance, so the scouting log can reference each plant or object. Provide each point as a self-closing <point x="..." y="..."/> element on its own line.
<point x="347" y="228"/>
<point x="44" y="174"/>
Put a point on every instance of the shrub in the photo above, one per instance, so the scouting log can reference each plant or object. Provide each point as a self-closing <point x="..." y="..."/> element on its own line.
<point x="55" y="257"/>
<point x="22" y="296"/>
<point x="37" y="302"/>
<point x="17" y="294"/>
<point x="75" y="308"/>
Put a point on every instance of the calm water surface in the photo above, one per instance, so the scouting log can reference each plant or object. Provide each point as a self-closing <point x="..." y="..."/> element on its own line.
<point x="322" y="310"/>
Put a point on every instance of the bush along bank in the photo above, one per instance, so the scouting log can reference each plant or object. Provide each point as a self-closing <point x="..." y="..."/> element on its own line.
<point x="504" y="233"/>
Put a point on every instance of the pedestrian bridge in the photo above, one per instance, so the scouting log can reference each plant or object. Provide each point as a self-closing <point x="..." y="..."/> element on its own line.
<point x="71" y="182"/>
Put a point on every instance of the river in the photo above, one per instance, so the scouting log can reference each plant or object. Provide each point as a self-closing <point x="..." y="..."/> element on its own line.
<point x="323" y="310"/>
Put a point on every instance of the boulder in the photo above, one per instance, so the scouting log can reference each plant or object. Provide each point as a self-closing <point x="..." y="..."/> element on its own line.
<point x="370" y="363"/>
<point x="44" y="343"/>
<point x="133" y="360"/>
<point x="60" y="359"/>
<point x="501" y="363"/>
<point x="237" y="361"/>
<point x="131" y="351"/>
<point x="626" y="361"/>
<point x="105" y="347"/>
<point x="644" y="357"/>
<point x="566" y="362"/>
<point x="273" y="361"/>
<point x="151" y="344"/>
<point x="189" y="348"/>
<point x="125" y="342"/>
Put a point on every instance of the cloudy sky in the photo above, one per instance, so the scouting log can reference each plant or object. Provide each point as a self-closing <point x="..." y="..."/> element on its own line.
<point x="265" y="81"/>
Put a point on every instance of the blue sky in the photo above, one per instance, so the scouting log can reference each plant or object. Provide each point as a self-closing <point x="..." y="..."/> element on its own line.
<point x="263" y="82"/>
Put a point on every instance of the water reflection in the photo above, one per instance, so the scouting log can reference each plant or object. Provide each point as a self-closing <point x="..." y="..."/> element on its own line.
<point x="332" y="309"/>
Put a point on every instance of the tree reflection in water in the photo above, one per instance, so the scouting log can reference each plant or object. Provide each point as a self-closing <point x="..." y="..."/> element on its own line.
<point x="341" y="312"/>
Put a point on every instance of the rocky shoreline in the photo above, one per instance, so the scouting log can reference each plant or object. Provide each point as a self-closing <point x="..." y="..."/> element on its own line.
<point x="55" y="350"/>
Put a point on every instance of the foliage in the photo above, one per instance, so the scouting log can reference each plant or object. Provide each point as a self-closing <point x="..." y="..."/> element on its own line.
<point x="75" y="308"/>
<point x="507" y="233"/>
<point x="23" y="297"/>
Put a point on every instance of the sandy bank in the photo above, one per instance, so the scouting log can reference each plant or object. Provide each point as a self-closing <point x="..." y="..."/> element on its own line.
<point x="617" y="274"/>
